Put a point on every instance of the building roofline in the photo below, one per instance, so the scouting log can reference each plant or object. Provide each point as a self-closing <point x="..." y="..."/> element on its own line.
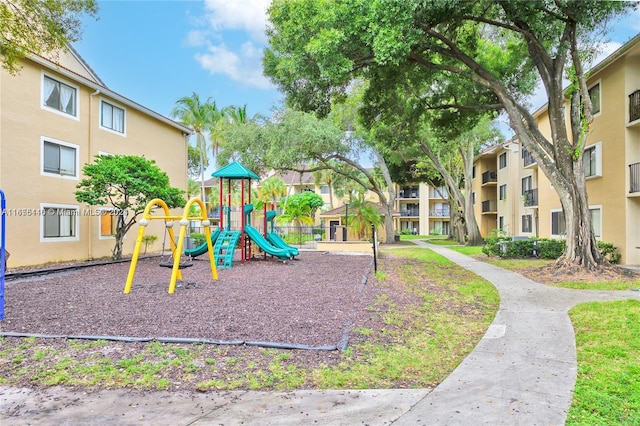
<point x="621" y="51"/>
<point x="105" y="90"/>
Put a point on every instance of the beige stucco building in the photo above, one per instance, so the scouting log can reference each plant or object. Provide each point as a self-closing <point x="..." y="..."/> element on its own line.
<point x="55" y="118"/>
<point x="518" y="198"/>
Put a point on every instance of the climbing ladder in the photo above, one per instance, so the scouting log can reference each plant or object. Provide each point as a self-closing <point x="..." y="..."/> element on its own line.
<point x="225" y="245"/>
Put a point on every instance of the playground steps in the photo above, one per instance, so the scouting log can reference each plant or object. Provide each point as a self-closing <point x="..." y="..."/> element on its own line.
<point x="225" y="245"/>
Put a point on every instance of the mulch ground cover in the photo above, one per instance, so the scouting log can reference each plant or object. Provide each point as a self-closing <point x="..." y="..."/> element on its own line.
<point x="309" y="301"/>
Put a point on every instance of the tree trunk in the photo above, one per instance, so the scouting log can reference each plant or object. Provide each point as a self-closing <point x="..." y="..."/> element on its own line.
<point x="388" y="224"/>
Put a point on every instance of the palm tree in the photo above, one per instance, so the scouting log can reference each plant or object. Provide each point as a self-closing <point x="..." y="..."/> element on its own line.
<point x="229" y="115"/>
<point x="272" y="189"/>
<point x="198" y="115"/>
<point x="365" y="215"/>
<point x="325" y="177"/>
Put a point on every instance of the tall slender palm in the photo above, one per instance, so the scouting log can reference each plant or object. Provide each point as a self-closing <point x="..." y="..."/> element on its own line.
<point x="325" y="177"/>
<point x="198" y="115"/>
<point x="228" y="115"/>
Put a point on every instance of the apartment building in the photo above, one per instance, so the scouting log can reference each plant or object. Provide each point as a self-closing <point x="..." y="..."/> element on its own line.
<point x="511" y="192"/>
<point x="55" y="118"/>
<point x="423" y="209"/>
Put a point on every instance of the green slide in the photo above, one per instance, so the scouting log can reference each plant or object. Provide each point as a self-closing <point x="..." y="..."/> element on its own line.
<point x="264" y="245"/>
<point x="202" y="248"/>
<point x="275" y="239"/>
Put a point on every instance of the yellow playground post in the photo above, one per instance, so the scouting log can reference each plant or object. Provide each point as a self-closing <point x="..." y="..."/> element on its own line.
<point x="176" y="250"/>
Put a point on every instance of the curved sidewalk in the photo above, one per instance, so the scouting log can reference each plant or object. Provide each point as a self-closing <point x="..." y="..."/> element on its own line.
<point x="522" y="372"/>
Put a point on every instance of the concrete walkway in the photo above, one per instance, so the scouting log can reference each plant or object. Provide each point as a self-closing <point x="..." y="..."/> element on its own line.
<point x="522" y="372"/>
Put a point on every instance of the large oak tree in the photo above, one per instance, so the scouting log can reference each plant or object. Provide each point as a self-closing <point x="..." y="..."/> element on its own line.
<point x="496" y="47"/>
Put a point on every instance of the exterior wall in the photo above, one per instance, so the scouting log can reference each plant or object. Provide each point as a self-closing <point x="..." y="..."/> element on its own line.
<point x="617" y="145"/>
<point x="24" y="124"/>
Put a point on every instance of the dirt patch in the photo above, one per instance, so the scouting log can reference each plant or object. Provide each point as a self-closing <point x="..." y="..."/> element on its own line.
<point x="551" y="274"/>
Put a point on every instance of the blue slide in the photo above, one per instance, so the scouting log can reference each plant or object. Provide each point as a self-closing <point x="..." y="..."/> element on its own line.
<point x="264" y="245"/>
<point x="202" y="248"/>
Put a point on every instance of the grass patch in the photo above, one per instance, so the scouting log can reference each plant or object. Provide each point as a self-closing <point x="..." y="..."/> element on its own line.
<point x="424" y="341"/>
<point x="607" y="390"/>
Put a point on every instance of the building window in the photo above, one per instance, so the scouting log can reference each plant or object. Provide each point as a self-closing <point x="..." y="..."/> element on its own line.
<point x="501" y="223"/>
<point x="558" y="225"/>
<point x="324" y="189"/>
<point x="502" y="160"/>
<point x="59" y="96"/>
<point x="112" y="117"/>
<point x="473" y="198"/>
<point x="59" y="158"/>
<point x="594" y="94"/>
<point x="59" y="222"/>
<point x="503" y="191"/>
<point x="473" y="172"/>
<point x="527" y="223"/>
<point x="596" y="221"/>
<point x="591" y="160"/>
<point x="526" y="184"/>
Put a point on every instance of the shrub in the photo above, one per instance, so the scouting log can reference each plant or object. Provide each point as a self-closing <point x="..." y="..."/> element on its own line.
<point x="609" y="251"/>
<point x="547" y="248"/>
<point x="198" y="239"/>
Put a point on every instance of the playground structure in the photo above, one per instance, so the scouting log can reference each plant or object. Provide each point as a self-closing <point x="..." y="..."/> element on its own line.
<point x="228" y="238"/>
<point x="176" y="248"/>
<point x="3" y="259"/>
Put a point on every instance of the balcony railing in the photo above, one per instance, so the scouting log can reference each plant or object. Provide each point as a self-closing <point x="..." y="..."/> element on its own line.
<point x="530" y="197"/>
<point x="634" y="177"/>
<point x="410" y="212"/>
<point x="409" y="194"/>
<point x="489" y="176"/>
<point x="489" y="206"/>
<point x="440" y="213"/>
<point x="528" y="159"/>
<point x="634" y="106"/>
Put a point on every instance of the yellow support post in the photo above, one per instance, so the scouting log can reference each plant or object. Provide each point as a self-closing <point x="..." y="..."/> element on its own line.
<point x="176" y="250"/>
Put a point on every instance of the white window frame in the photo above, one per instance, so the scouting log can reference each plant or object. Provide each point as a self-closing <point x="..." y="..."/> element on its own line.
<point x="597" y="83"/>
<point x="522" y="231"/>
<point x="596" y="207"/>
<point x="597" y="149"/>
<point x="44" y="106"/>
<point x="551" y="212"/>
<point x="44" y="208"/>
<point x="76" y="175"/>
<point x="124" y="118"/>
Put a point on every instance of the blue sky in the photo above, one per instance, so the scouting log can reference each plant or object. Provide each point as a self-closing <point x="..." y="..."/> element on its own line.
<point x="155" y="52"/>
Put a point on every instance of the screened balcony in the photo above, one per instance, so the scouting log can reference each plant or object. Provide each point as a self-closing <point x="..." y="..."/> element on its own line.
<point x="489" y="176"/>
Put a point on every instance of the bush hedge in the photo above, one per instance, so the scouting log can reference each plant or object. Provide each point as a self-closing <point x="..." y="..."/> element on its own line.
<point x="545" y="248"/>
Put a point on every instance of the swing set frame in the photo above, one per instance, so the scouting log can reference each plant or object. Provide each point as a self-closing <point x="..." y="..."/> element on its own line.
<point x="176" y="249"/>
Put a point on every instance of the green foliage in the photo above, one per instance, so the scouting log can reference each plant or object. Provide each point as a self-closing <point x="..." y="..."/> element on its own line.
<point x="300" y="208"/>
<point x="609" y="251"/>
<point x="148" y="240"/>
<point x="40" y="27"/>
<point x="500" y="245"/>
<point x="198" y="239"/>
<point x="127" y="183"/>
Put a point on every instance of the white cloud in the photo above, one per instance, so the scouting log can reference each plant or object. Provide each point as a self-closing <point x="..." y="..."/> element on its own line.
<point x="245" y="15"/>
<point x="232" y="34"/>
<point x="244" y="67"/>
